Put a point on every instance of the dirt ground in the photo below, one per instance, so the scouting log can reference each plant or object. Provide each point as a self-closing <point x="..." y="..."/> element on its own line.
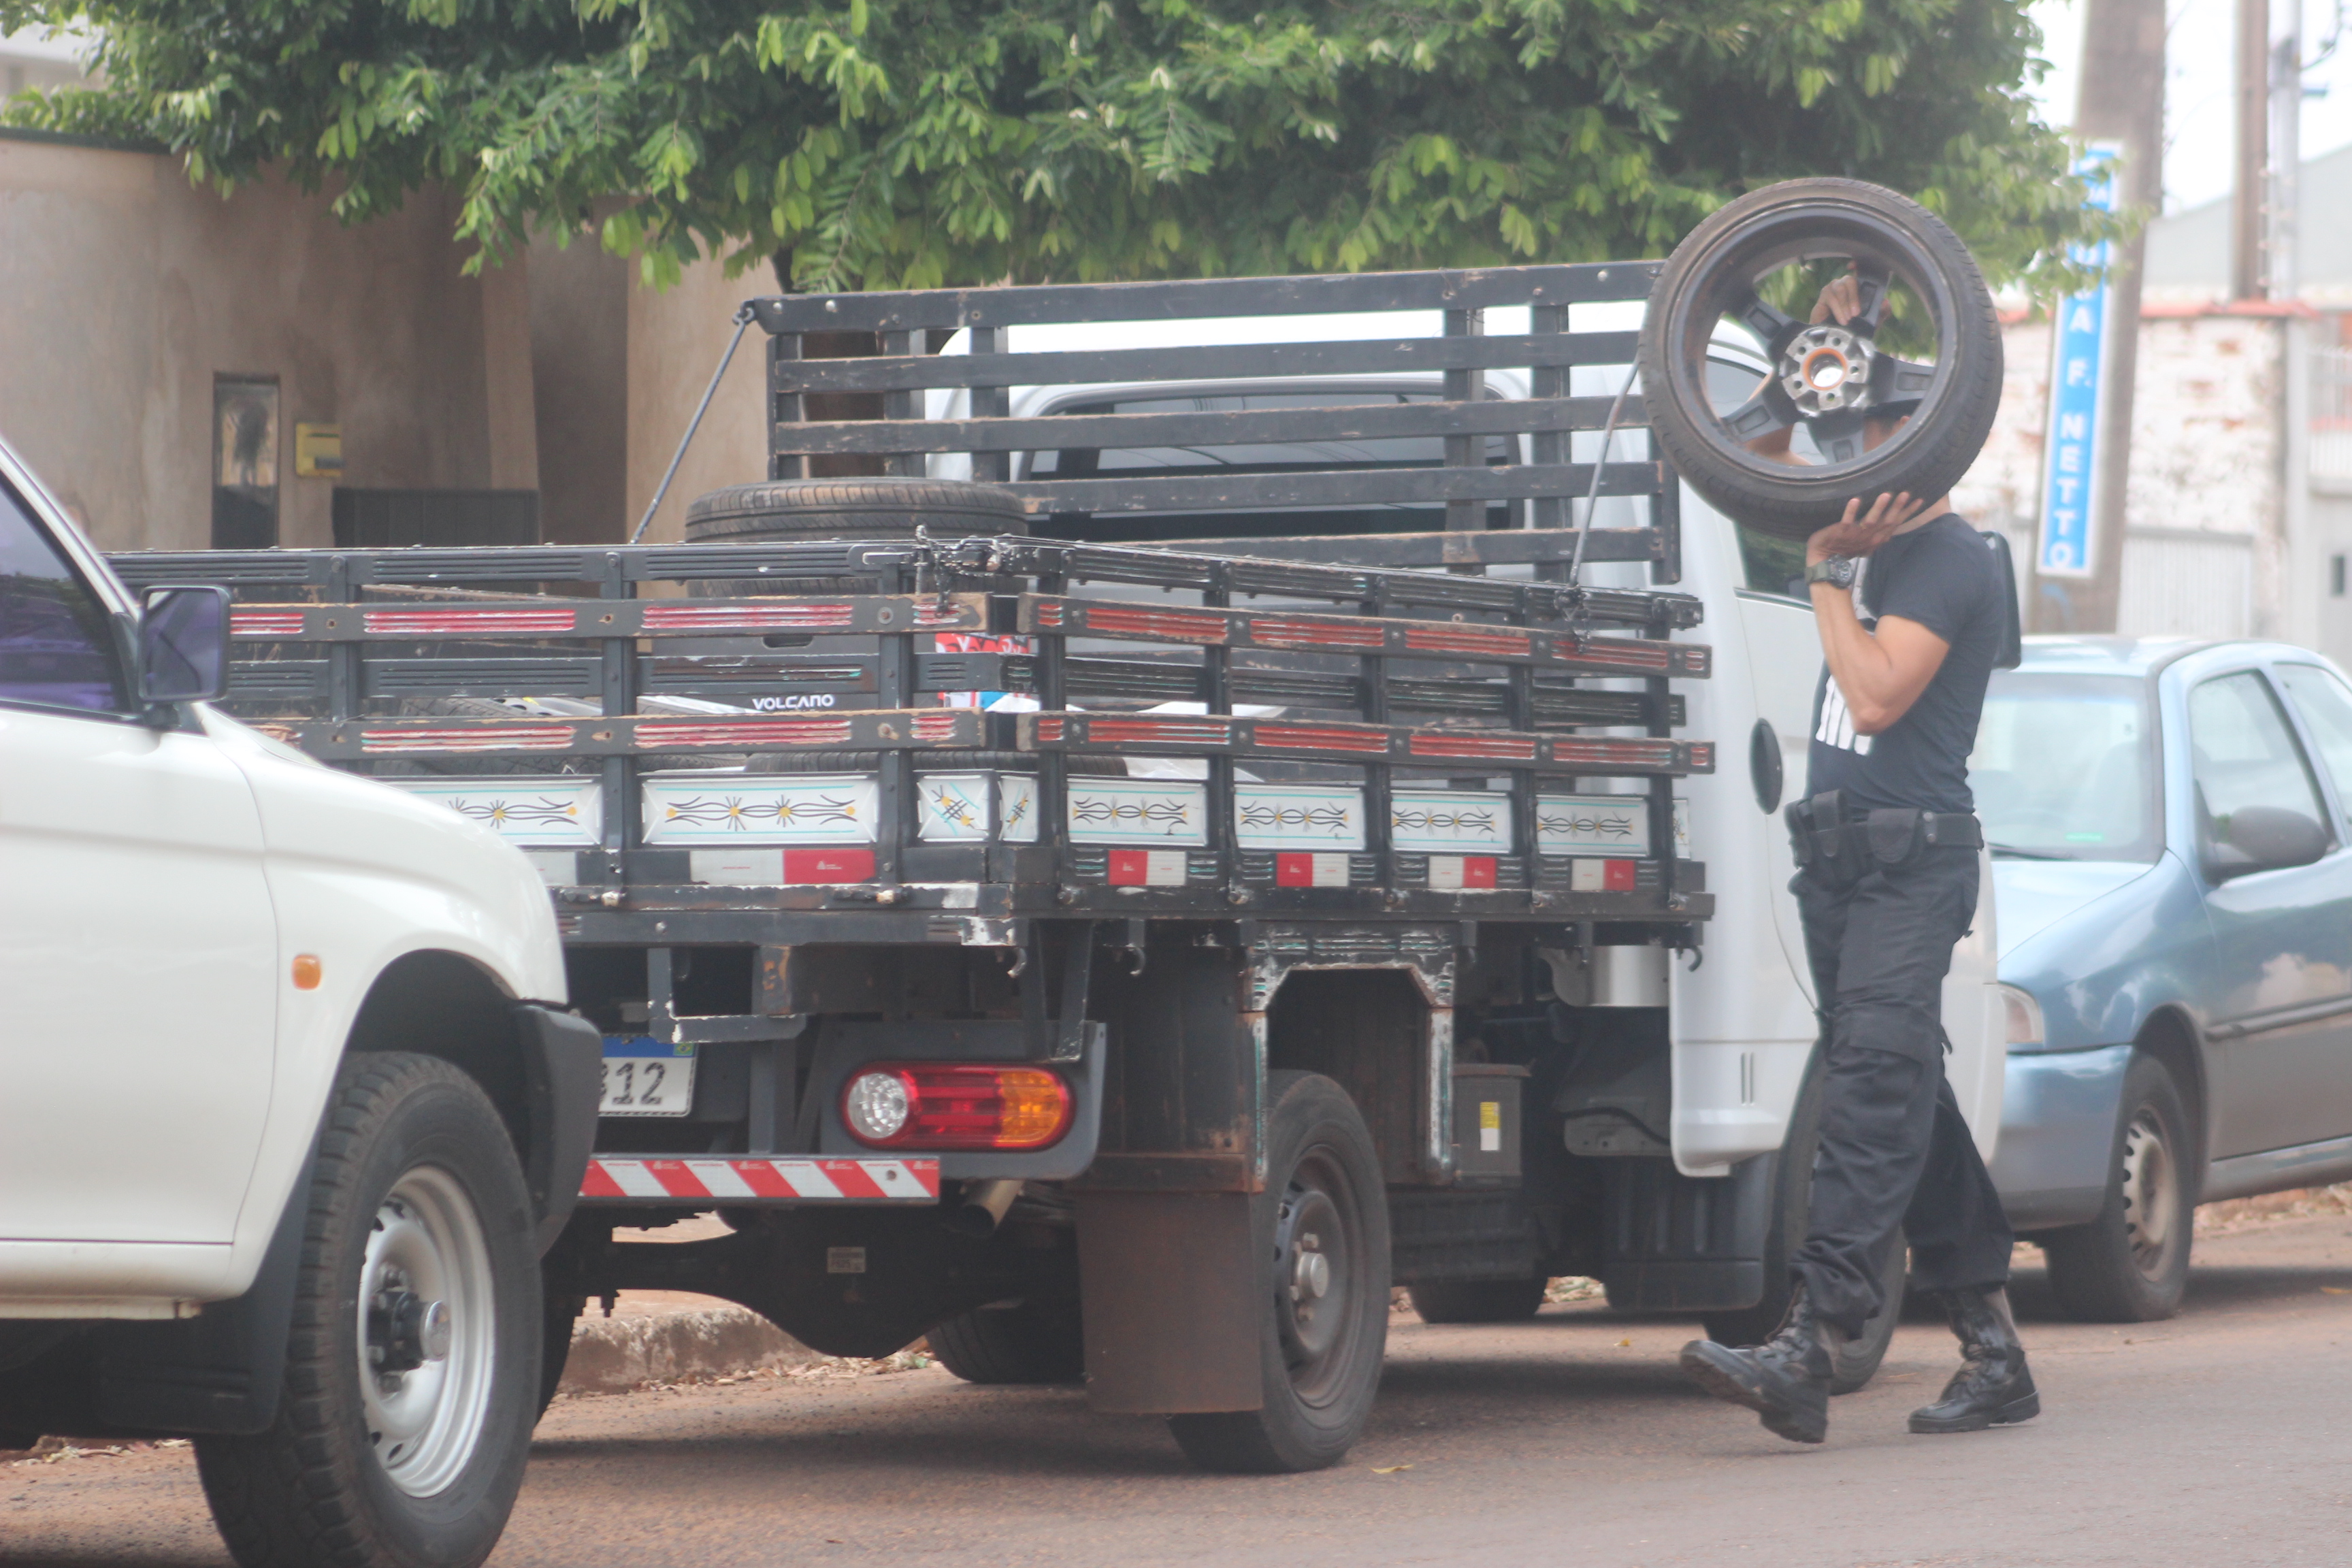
<point x="2221" y="1437"/>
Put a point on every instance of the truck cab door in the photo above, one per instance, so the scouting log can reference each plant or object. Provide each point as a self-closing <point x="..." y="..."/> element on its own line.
<point x="137" y="941"/>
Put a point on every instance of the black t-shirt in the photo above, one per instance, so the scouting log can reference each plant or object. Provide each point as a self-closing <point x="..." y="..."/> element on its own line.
<point x="1944" y="576"/>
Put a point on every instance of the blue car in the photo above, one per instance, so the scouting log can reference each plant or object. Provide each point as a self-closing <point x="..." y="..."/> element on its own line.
<point x="2173" y="869"/>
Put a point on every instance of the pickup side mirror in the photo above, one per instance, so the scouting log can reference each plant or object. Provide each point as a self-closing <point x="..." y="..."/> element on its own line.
<point x="184" y="645"/>
<point x="2263" y="839"/>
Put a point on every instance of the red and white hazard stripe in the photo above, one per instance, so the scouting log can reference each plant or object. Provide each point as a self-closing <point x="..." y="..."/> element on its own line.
<point x="867" y="1181"/>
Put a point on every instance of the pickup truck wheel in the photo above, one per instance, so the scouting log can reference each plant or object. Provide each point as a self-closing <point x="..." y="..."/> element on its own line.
<point x="1323" y="1227"/>
<point x="1926" y="349"/>
<point x="2131" y="1263"/>
<point x="1030" y="1341"/>
<point x="412" y="1366"/>
<point x="1476" y="1301"/>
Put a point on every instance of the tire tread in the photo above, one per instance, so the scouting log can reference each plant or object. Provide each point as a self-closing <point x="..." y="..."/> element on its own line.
<point x="284" y="1498"/>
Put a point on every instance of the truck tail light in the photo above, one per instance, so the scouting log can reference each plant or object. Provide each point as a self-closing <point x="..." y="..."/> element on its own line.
<point x="955" y="1105"/>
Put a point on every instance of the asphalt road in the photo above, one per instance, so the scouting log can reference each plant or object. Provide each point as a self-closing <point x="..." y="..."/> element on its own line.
<point x="2221" y="1437"/>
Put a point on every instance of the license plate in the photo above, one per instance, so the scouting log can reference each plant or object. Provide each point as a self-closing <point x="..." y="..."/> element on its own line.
<point x="643" y="1076"/>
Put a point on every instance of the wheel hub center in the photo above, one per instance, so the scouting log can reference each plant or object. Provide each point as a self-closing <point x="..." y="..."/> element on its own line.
<point x="1310" y="1272"/>
<point x="1826" y="370"/>
<point x="405" y="1331"/>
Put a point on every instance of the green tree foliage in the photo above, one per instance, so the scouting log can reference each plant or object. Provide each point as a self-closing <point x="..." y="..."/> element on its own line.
<point x="881" y="143"/>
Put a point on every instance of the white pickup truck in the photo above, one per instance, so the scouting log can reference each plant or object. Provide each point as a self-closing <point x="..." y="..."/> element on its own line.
<point x="292" y="1105"/>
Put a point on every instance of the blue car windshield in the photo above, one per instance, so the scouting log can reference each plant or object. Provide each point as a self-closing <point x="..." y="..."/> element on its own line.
<point x="2065" y="767"/>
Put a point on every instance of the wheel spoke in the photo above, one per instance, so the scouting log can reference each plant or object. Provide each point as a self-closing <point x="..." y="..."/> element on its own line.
<point x="1838" y="436"/>
<point x="1773" y="327"/>
<point x="1768" y="411"/>
<point x="1899" y="380"/>
<point x="1870" y="288"/>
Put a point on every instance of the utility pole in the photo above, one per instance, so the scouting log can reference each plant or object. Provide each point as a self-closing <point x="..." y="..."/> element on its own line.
<point x="2248" y="278"/>
<point x="2285" y="158"/>
<point x="2121" y="100"/>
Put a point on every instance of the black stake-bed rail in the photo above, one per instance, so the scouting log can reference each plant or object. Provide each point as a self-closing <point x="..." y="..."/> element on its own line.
<point x="1501" y="673"/>
<point x="1403" y="664"/>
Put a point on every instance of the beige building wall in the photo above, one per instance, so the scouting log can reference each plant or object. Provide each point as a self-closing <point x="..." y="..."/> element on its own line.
<point x="675" y="339"/>
<point x="2206" y="551"/>
<point x="124" y="292"/>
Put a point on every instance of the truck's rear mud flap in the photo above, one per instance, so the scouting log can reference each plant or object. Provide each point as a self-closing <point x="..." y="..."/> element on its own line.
<point x="1677" y="1243"/>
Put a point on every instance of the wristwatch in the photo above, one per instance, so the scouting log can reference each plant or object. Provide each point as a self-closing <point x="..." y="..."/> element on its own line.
<point x="1837" y="571"/>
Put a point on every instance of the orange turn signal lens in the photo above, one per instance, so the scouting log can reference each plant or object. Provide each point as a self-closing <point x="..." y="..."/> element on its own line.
<point x="955" y="1105"/>
<point x="306" y="972"/>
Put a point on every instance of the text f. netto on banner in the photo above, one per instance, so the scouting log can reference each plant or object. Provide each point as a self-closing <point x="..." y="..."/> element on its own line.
<point x="2078" y="350"/>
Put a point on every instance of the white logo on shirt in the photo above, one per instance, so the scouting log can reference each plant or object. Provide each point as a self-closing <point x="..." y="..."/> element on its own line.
<point x="1836" y="727"/>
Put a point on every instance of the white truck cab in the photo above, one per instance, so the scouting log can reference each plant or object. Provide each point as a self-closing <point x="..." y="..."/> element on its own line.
<point x="1739" y="1013"/>
<point x="255" y="1005"/>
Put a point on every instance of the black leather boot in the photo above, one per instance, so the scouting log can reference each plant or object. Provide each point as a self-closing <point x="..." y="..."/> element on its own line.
<point x="1992" y="1387"/>
<point x="1785" y="1380"/>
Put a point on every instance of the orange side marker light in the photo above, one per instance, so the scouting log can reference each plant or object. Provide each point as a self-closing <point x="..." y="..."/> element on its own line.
<point x="306" y="972"/>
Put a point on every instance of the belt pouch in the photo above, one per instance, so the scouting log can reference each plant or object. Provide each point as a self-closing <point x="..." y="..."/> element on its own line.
<point x="1895" y="837"/>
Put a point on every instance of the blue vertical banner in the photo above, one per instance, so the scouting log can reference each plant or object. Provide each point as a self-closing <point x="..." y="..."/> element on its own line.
<point x="2078" y="379"/>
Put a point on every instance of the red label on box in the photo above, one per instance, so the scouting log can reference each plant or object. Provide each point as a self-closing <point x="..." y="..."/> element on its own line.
<point x="1310" y="869"/>
<point x="1617" y="876"/>
<point x="828" y="865"/>
<point x="1128" y="868"/>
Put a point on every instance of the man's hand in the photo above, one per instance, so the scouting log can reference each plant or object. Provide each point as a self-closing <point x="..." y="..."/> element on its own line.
<point x="1840" y="300"/>
<point x="1859" y="532"/>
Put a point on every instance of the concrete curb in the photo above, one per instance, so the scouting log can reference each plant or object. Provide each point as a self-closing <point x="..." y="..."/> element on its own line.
<point x="613" y="1355"/>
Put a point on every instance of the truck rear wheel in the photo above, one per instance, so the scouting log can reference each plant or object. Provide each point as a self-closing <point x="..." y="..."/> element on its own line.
<point x="412" y="1370"/>
<point x="1476" y="1301"/>
<point x="1322" y="1226"/>
<point x="1029" y="1341"/>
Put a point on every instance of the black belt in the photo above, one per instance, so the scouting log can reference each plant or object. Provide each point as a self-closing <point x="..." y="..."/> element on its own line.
<point x="1842" y="846"/>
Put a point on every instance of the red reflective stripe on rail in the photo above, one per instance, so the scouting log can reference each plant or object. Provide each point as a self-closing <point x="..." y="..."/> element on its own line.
<point x="937" y="726"/>
<point x="1647" y="754"/>
<point x="746" y="732"/>
<point x="1323" y="738"/>
<point x="1626" y="655"/>
<point x="1462" y="640"/>
<point x="485" y="738"/>
<point x="465" y="623"/>
<point x="263" y="624"/>
<point x="798" y="615"/>
<point x="1314" y="633"/>
<point x="1173" y="626"/>
<point x="1499" y="749"/>
<point x="1160" y="732"/>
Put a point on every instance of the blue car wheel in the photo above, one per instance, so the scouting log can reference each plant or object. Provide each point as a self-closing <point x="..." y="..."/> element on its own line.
<point x="2131" y="1263"/>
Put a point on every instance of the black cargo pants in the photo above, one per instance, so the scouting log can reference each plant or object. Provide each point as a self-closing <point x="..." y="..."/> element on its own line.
<point x="1894" y="1148"/>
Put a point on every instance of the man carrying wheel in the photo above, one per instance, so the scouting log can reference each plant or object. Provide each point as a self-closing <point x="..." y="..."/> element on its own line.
<point x="1887" y="851"/>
